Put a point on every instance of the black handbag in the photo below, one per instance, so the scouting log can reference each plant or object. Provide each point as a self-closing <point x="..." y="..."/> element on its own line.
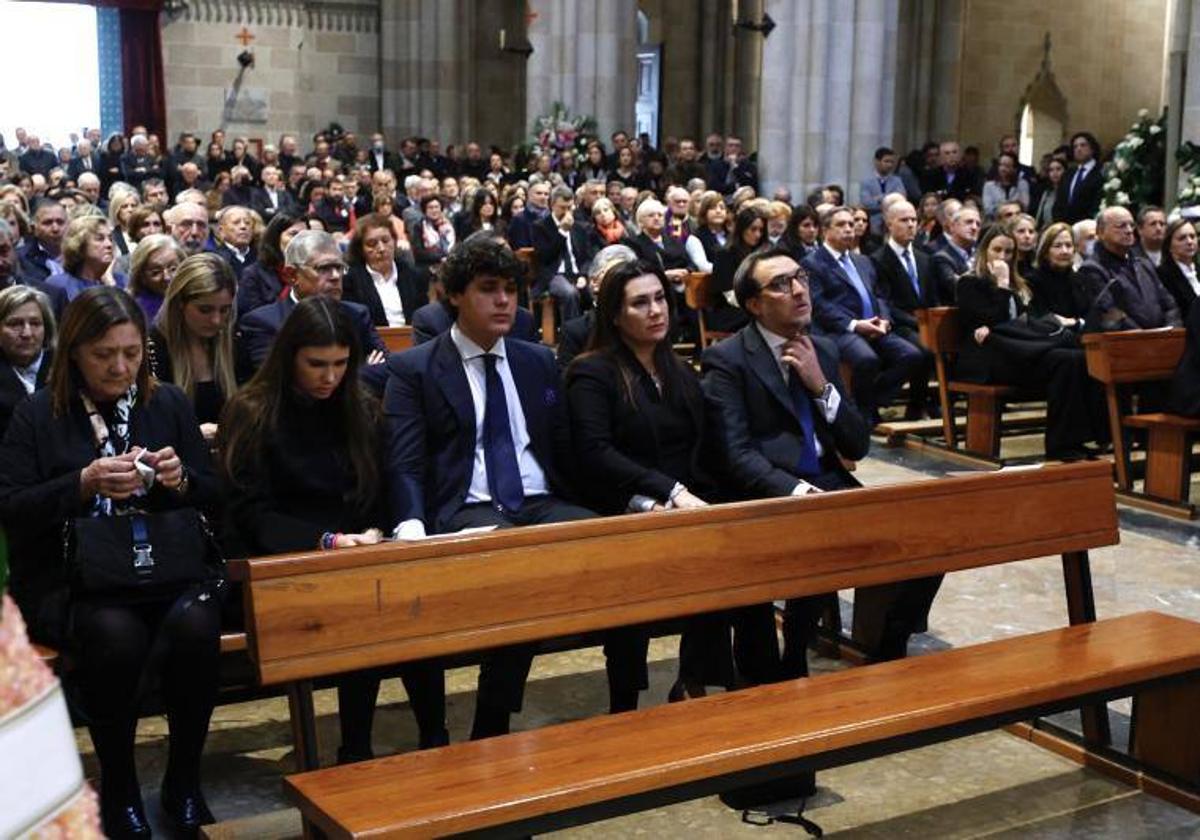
<point x="138" y="554"/>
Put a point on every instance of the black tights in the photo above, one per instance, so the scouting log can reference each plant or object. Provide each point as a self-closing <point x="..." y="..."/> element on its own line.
<point x="113" y="645"/>
<point x="358" y="691"/>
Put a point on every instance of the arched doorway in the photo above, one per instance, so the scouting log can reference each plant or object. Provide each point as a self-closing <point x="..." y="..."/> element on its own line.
<point x="1042" y="119"/>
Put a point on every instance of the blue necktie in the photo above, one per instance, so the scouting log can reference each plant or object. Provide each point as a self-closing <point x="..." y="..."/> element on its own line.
<point x="499" y="454"/>
<point x="912" y="273"/>
<point x="809" y="464"/>
<point x="868" y="308"/>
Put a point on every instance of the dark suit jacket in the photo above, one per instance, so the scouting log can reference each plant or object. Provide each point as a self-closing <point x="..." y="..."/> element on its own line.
<point x="618" y="447"/>
<point x="435" y="318"/>
<point x="948" y="265"/>
<point x="897" y="285"/>
<point x="573" y="337"/>
<point x="358" y="287"/>
<point x="32" y="257"/>
<point x="39" y="162"/>
<point x="1126" y="294"/>
<point x="671" y="255"/>
<point x="966" y="182"/>
<point x="1174" y="281"/>
<point x="745" y="175"/>
<point x="1085" y="202"/>
<point x="75" y="168"/>
<point x="12" y="392"/>
<point x="1185" y="387"/>
<point x="551" y="250"/>
<point x="287" y="204"/>
<point x="239" y="267"/>
<point x="258" y="328"/>
<point x="755" y="421"/>
<point x="520" y="229"/>
<point x="835" y="300"/>
<point x="431" y="426"/>
<point x="258" y="286"/>
<point x="390" y="161"/>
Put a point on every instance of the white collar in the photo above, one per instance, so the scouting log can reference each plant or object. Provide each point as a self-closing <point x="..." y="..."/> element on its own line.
<point x="379" y="278"/>
<point x="468" y="349"/>
<point x="773" y="340"/>
<point x="897" y="250"/>
<point x="837" y="255"/>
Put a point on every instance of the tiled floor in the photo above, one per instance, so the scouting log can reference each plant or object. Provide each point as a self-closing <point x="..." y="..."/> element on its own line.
<point x="989" y="785"/>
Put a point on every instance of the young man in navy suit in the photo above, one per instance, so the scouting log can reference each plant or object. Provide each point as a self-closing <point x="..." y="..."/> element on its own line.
<point x="478" y="436"/>
<point x="848" y="308"/>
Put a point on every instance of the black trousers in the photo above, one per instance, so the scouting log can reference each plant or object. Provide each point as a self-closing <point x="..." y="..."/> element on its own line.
<point x="503" y="672"/>
<point x="358" y="692"/>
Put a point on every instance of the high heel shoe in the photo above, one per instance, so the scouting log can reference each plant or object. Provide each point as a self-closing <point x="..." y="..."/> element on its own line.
<point x="683" y="690"/>
<point x="124" y="821"/>
<point x="186" y="809"/>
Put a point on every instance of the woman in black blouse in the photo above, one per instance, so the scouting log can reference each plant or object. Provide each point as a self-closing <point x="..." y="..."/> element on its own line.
<point x="1178" y="268"/>
<point x="638" y="421"/>
<point x="301" y="446"/>
<point x="749" y="233"/>
<point x="1054" y="284"/>
<point x="191" y="342"/>
<point x="1006" y="347"/>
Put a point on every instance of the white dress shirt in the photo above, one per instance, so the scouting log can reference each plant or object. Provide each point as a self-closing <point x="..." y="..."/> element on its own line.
<point x="828" y="402"/>
<point x="1189" y="274"/>
<point x="28" y="375"/>
<point x="389" y="295"/>
<point x="533" y="479"/>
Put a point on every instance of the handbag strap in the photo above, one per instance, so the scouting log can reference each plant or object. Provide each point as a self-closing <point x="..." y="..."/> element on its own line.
<point x="143" y="549"/>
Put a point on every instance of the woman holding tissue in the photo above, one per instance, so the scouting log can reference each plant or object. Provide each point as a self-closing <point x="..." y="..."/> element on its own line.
<point x="300" y="452"/>
<point x="106" y="440"/>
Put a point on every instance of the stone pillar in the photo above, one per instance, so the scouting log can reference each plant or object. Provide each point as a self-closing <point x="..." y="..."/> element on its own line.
<point x="747" y="72"/>
<point x="426" y="68"/>
<point x="584" y="56"/>
<point x="828" y="78"/>
<point x="929" y="66"/>
<point x="1183" y="87"/>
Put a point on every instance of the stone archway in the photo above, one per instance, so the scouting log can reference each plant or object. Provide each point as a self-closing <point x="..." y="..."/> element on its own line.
<point x="1042" y="114"/>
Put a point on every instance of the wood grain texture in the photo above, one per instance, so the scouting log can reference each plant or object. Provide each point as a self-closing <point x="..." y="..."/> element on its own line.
<point x="1134" y="355"/>
<point x="320" y="613"/>
<point x="486" y="783"/>
<point x="396" y="338"/>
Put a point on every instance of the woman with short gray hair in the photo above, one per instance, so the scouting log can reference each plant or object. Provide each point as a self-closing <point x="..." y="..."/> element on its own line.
<point x="26" y="346"/>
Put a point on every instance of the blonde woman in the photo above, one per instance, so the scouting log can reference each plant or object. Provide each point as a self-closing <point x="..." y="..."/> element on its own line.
<point x="191" y="342"/>
<point x="152" y="266"/>
<point x="87" y="256"/>
<point x="122" y="201"/>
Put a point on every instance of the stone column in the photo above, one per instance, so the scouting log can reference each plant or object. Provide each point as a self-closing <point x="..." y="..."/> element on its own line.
<point x="1183" y="87"/>
<point x="585" y="56"/>
<point x="828" y="78"/>
<point x="747" y="72"/>
<point x="426" y="68"/>
<point x="929" y="67"/>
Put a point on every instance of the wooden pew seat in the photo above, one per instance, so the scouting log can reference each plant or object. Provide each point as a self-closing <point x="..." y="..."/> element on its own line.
<point x="942" y="333"/>
<point x="1168" y="453"/>
<point x="594" y="769"/>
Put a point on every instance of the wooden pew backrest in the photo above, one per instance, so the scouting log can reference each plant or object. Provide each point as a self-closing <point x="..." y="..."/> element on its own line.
<point x="396" y="338"/>
<point x="318" y="613"/>
<point x="1134" y="355"/>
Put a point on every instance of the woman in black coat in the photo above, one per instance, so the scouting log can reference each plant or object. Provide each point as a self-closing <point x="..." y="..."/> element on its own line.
<point x="70" y="453"/>
<point x="1003" y="346"/>
<point x="301" y="446"/>
<point x="638" y="424"/>
<point x="26" y="347"/>
<point x="1178" y="268"/>
<point x="1055" y="287"/>
<point x="390" y="288"/>
<point x="749" y="233"/>
<point x="261" y="282"/>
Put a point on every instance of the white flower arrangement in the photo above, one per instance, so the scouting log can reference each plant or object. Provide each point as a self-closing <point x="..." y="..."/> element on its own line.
<point x="1134" y="176"/>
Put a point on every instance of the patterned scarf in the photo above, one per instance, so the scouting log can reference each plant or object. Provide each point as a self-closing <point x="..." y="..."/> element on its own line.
<point x="110" y="441"/>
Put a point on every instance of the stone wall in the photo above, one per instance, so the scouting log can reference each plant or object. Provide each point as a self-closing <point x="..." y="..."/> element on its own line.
<point x="315" y="63"/>
<point x="1107" y="58"/>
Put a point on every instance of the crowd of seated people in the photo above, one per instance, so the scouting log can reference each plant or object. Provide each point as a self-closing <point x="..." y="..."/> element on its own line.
<point x="214" y="317"/>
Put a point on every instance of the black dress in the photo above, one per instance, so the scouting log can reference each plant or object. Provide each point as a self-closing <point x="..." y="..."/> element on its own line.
<point x="298" y="488"/>
<point x="1014" y="354"/>
<point x="631" y="440"/>
<point x="1057" y="292"/>
<point x="12" y="389"/>
<point x="209" y="399"/>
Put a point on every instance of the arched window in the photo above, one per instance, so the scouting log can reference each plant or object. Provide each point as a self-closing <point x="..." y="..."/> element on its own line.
<point x="1043" y="113"/>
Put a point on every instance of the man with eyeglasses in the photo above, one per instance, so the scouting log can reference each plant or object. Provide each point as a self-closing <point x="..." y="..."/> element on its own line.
<point x="313" y="265"/>
<point x="1125" y="291"/>
<point x="786" y="424"/>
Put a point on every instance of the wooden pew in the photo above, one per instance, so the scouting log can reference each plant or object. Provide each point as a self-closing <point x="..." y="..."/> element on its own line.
<point x="698" y="296"/>
<point x="1130" y="357"/>
<point x="396" y="338"/>
<point x="942" y="334"/>
<point x="594" y="769"/>
<point x="315" y="614"/>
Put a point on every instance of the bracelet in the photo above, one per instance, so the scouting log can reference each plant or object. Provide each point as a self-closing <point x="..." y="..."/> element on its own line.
<point x="182" y="487"/>
<point x="675" y="491"/>
<point x="329" y="541"/>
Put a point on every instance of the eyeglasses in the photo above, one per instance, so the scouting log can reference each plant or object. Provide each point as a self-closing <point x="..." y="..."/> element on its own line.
<point x="782" y="285"/>
<point x="332" y="269"/>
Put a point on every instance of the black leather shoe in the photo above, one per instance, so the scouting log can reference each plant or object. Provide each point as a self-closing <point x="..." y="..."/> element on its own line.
<point x="124" y="821"/>
<point x="187" y="809"/>
<point x="682" y="690"/>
